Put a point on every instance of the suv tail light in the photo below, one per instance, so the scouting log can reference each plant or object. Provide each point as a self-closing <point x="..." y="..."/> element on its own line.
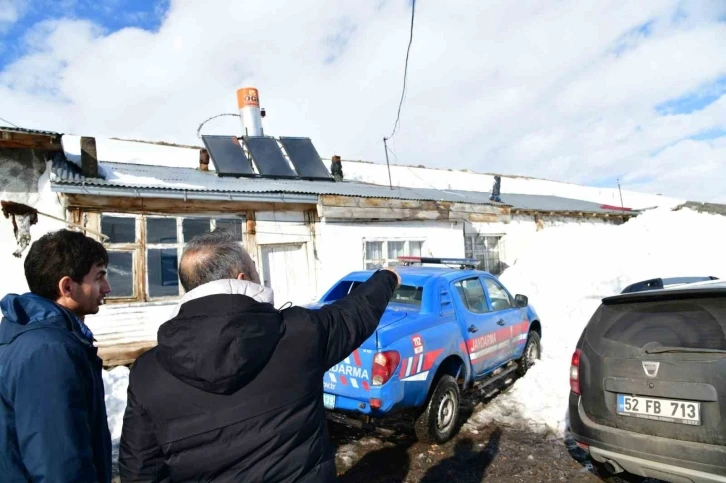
<point x="575" y="372"/>
<point x="384" y="365"/>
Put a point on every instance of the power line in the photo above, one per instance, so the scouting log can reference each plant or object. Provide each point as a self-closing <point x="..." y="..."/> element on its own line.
<point x="403" y="95"/>
<point x="405" y="73"/>
<point x="14" y="125"/>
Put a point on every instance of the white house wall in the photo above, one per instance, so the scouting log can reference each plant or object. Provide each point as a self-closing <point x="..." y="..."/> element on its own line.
<point x="341" y="247"/>
<point x="22" y="184"/>
<point x="519" y="234"/>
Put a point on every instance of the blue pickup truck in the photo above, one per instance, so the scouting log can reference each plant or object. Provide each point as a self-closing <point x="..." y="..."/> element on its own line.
<point x="447" y="328"/>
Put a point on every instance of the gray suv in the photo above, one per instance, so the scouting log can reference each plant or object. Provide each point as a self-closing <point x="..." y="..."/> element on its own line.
<point x="648" y="384"/>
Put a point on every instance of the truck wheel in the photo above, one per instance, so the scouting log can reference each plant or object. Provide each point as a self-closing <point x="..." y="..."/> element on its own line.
<point x="438" y="421"/>
<point x="532" y="351"/>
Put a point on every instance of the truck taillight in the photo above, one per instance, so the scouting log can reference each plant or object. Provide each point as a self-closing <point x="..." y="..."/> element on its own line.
<point x="384" y="365"/>
<point x="575" y="372"/>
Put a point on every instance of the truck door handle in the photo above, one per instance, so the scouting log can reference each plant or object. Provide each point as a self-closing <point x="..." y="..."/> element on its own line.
<point x="500" y="322"/>
<point x="472" y="328"/>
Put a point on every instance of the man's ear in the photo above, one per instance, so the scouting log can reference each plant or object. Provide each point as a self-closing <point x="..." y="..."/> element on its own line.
<point x="241" y="276"/>
<point x="64" y="286"/>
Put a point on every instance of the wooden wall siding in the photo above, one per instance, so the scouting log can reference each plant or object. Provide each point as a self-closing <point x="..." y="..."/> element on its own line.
<point x="22" y="140"/>
<point x="124" y="354"/>
<point x="613" y="217"/>
<point x="345" y="207"/>
<point x="160" y="206"/>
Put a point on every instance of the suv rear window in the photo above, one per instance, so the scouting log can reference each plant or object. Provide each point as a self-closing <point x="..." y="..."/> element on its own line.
<point x="405" y="294"/>
<point x="693" y="323"/>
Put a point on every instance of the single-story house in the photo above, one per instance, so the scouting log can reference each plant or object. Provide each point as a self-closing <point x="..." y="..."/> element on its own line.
<point x="146" y="200"/>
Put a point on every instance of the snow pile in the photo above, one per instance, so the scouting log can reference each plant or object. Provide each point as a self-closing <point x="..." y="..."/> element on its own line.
<point x="567" y="271"/>
<point x="115" y="383"/>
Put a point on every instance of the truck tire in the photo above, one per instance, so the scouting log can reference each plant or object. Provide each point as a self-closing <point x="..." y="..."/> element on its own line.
<point x="437" y="423"/>
<point x="532" y="352"/>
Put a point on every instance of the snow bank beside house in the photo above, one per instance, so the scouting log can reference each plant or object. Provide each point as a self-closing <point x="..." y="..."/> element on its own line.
<point x="567" y="271"/>
<point x="115" y="383"/>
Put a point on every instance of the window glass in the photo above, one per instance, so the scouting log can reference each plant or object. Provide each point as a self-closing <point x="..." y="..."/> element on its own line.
<point x="685" y="322"/>
<point x="500" y="298"/>
<point x="488" y="249"/>
<point x="121" y="274"/>
<point x="119" y="229"/>
<point x="405" y="294"/>
<point x="161" y="230"/>
<point x="472" y="295"/>
<point x="192" y="227"/>
<point x="162" y="272"/>
<point x="374" y="255"/>
<point x="414" y="248"/>
<point x="395" y="249"/>
<point x="231" y="225"/>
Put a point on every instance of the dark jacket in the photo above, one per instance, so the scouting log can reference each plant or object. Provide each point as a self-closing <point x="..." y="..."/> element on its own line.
<point x="53" y="424"/>
<point x="234" y="390"/>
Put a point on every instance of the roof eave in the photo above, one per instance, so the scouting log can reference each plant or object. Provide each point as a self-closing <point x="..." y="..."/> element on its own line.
<point x="78" y="189"/>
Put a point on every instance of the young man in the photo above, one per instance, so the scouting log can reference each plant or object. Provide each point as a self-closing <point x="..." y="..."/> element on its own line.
<point x="234" y="390"/>
<point x="53" y="424"/>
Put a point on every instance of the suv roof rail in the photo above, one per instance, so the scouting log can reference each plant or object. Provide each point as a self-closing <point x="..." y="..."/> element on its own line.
<point x="462" y="262"/>
<point x="659" y="283"/>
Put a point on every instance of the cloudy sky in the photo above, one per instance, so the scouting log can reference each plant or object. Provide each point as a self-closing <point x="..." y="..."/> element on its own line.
<point x="586" y="91"/>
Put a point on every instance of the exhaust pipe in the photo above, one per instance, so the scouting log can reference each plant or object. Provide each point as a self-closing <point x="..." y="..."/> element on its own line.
<point x="613" y="468"/>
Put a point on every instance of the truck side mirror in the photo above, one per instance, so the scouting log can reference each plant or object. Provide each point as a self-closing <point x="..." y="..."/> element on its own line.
<point x="521" y="300"/>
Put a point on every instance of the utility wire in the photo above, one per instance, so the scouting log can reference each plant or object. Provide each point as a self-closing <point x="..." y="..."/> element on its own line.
<point x="405" y="73"/>
<point x="14" y="125"/>
<point x="213" y="117"/>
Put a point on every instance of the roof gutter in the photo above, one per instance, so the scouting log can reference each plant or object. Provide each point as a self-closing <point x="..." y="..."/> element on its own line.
<point x="183" y="194"/>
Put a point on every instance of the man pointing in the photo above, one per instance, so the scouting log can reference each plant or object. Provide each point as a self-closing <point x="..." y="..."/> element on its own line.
<point x="234" y="390"/>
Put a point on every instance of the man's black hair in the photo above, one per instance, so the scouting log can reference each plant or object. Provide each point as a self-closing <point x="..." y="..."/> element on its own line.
<point x="59" y="254"/>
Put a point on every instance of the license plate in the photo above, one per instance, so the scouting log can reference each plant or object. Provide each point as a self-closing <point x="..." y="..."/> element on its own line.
<point x="329" y="401"/>
<point x="656" y="409"/>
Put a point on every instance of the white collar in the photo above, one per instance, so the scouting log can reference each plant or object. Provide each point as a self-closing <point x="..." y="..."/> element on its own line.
<point x="228" y="286"/>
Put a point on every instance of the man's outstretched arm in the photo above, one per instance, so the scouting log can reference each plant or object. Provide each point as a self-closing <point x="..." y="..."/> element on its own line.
<point x="348" y="322"/>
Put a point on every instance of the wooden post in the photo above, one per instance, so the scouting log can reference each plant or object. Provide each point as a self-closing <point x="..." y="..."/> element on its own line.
<point x="203" y="160"/>
<point x="251" y="238"/>
<point x="89" y="157"/>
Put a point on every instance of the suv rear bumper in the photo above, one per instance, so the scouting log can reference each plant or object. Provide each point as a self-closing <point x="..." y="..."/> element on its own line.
<point x="651" y="469"/>
<point x="646" y="455"/>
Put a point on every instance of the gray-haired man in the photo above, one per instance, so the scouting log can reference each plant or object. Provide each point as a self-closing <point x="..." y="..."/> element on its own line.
<point x="233" y="392"/>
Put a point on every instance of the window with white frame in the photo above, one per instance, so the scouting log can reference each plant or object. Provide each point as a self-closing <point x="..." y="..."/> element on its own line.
<point x="488" y="249"/>
<point x="380" y="253"/>
<point x="144" y="251"/>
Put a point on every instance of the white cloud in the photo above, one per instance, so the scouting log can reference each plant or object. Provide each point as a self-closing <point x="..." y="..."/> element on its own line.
<point x="565" y="90"/>
<point x="10" y="12"/>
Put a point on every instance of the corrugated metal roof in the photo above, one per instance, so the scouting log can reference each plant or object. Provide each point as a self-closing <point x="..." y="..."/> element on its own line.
<point x="28" y="131"/>
<point x="66" y="171"/>
<point x="145" y="177"/>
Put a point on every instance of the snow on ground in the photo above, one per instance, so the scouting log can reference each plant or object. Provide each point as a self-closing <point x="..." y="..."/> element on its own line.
<point x="115" y="383"/>
<point x="567" y="271"/>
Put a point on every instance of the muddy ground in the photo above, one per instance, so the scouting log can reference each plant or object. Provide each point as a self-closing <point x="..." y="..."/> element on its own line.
<point x="494" y="453"/>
